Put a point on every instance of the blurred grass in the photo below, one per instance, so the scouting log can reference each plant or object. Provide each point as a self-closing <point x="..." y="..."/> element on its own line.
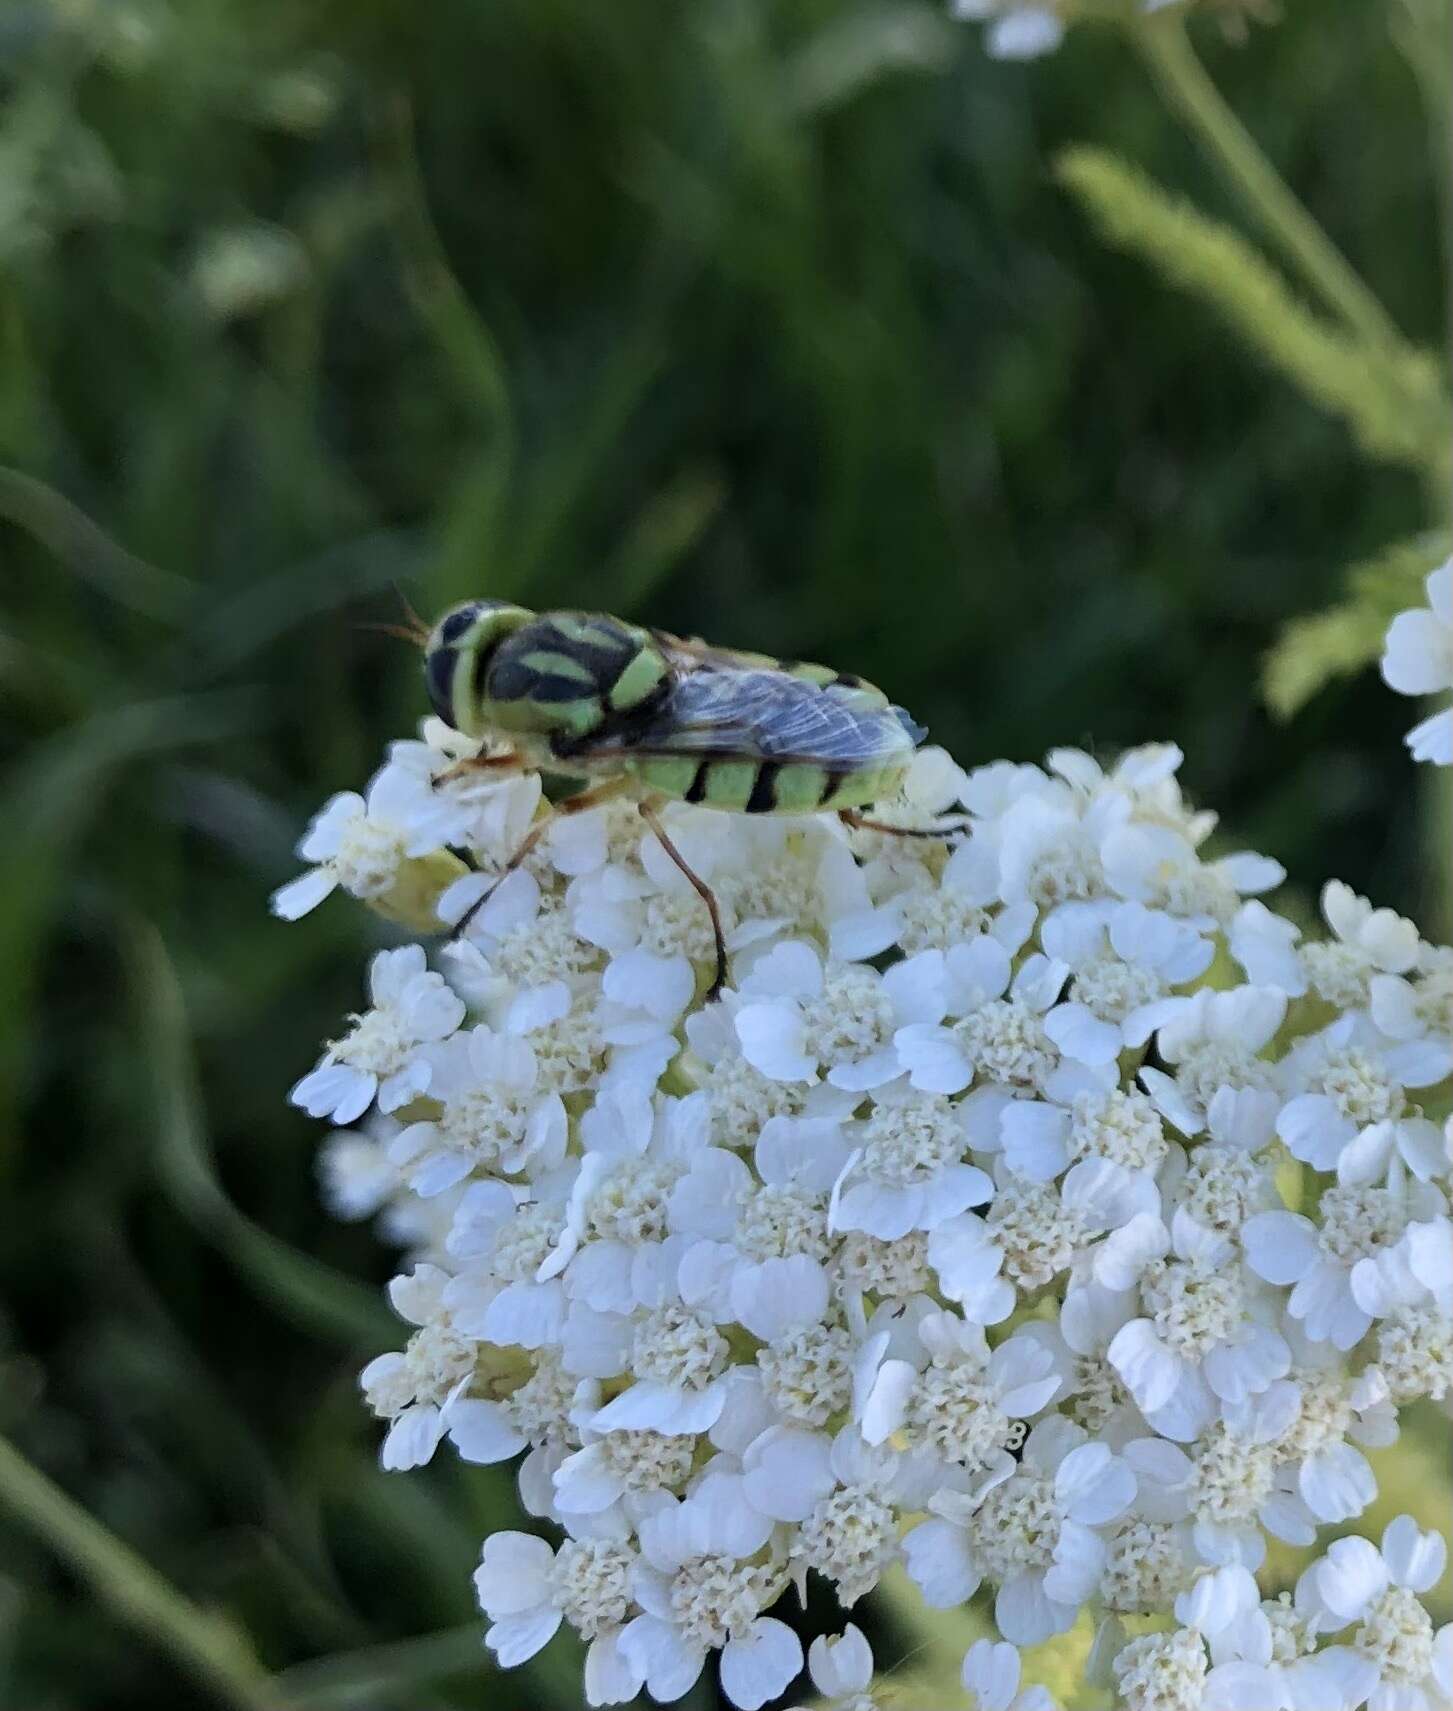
<point x="767" y="320"/>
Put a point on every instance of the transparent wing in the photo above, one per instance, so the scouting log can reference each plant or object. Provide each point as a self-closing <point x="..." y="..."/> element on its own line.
<point x="766" y="715"/>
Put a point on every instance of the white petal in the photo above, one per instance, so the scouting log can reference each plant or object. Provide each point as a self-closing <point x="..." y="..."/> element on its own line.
<point x="1432" y="739"/>
<point x="936" y="1555"/>
<point x="481" y="1431"/>
<point x="1350" y="1577"/>
<point x="841" y="1666"/>
<point x="1217" y="1599"/>
<point x="292" y="901"/>
<point x="516" y="1639"/>
<point x="514" y="1574"/>
<point x="1238" y="1686"/>
<point x="933" y="1059"/>
<point x="659" y="1408"/>
<point x="1081" y="1035"/>
<point x="786" y="1472"/>
<point x="1026" y="1615"/>
<point x="657" y="1652"/>
<point x="756" y="1666"/>
<point x="1093" y="1485"/>
<point x="1034" y="1137"/>
<point x="1025" y="33"/>
<point x="1415" y="1559"/>
<point x="610" y="1679"/>
<point x="412" y="1439"/>
<point x="1150" y="1370"/>
<point x="991" y="1670"/>
<point x="1280" y="1246"/>
<point x="779" y="1296"/>
<point x="770" y="1035"/>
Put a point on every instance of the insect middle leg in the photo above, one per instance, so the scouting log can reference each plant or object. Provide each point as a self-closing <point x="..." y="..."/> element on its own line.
<point x="576" y="804"/>
<point x="702" y="890"/>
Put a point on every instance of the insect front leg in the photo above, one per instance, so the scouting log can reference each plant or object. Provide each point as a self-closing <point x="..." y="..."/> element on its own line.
<point x="702" y="890"/>
<point x="576" y="804"/>
<point x="499" y="765"/>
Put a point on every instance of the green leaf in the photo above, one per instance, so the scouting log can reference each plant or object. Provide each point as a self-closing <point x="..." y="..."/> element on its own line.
<point x="1393" y="398"/>
<point x="48" y="802"/>
<point x="88" y="551"/>
<point x="311" y="1294"/>
<point x="1315" y="648"/>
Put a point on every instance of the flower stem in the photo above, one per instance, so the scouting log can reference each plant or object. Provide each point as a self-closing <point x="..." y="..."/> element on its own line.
<point x="1167" y="51"/>
<point x="208" y="1647"/>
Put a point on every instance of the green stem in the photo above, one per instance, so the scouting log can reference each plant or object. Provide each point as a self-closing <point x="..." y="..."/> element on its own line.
<point x="208" y="1647"/>
<point x="1166" y="49"/>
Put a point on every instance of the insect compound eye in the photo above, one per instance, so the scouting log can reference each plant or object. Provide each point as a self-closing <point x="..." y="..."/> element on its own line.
<point x="457" y="622"/>
<point x="440" y="664"/>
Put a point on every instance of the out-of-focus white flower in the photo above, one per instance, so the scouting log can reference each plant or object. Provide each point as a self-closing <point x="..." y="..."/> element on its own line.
<point x="1417" y="659"/>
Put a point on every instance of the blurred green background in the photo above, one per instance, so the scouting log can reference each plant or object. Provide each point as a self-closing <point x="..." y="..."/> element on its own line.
<point x="766" y="320"/>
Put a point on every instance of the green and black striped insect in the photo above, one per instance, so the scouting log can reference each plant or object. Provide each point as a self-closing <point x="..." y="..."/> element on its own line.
<point x="635" y="711"/>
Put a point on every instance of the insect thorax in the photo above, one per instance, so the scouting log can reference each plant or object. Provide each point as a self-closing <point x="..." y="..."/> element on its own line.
<point x="570" y="673"/>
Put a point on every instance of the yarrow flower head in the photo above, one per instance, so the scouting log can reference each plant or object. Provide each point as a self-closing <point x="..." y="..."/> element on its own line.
<point x="1033" y="1209"/>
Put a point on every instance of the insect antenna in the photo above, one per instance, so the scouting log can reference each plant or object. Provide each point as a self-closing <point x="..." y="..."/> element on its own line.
<point x="413" y="629"/>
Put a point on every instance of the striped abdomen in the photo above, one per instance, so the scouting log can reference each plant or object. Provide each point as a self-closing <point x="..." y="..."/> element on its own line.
<point x="765" y="786"/>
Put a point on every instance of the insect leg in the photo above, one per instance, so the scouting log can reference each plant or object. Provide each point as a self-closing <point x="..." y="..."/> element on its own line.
<point x="570" y="805"/>
<point x="480" y="763"/>
<point x="702" y="890"/>
<point x="861" y="823"/>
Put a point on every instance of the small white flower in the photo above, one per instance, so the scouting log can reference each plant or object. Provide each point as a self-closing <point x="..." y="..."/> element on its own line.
<point x="1213" y="1040"/>
<point x="998" y="1036"/>
<point x="414" y="1389"/>
<point x="1286" y="1248"/>
<point x="800" y="1014"/>
<point x="1034" y="1534"/>
<point x="1418" y="660"/>
<point x="527" y="1590"/>
<point x="412" y="1007"/>
<point x="1015" y="31"/>
<point x="699" y="1590"/>
<point x="907" y="1169"/>
<point x="354" y="841"/>
<point x="1394" y="1641"/>
<point x="491" y="1113"/>
<point x="1199" y="1331"/>
<point x="1124" y="958"/>
<point x="955" y="1396"/>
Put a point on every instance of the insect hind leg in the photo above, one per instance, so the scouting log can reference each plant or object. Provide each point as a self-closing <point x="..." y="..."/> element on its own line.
<point x="859" y="822"/>
<point x="702" y="890"/>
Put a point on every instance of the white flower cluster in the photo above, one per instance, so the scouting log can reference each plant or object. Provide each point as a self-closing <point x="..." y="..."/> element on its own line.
<point x="1036" y="1209"/>
<point x="1417" y="659"/>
